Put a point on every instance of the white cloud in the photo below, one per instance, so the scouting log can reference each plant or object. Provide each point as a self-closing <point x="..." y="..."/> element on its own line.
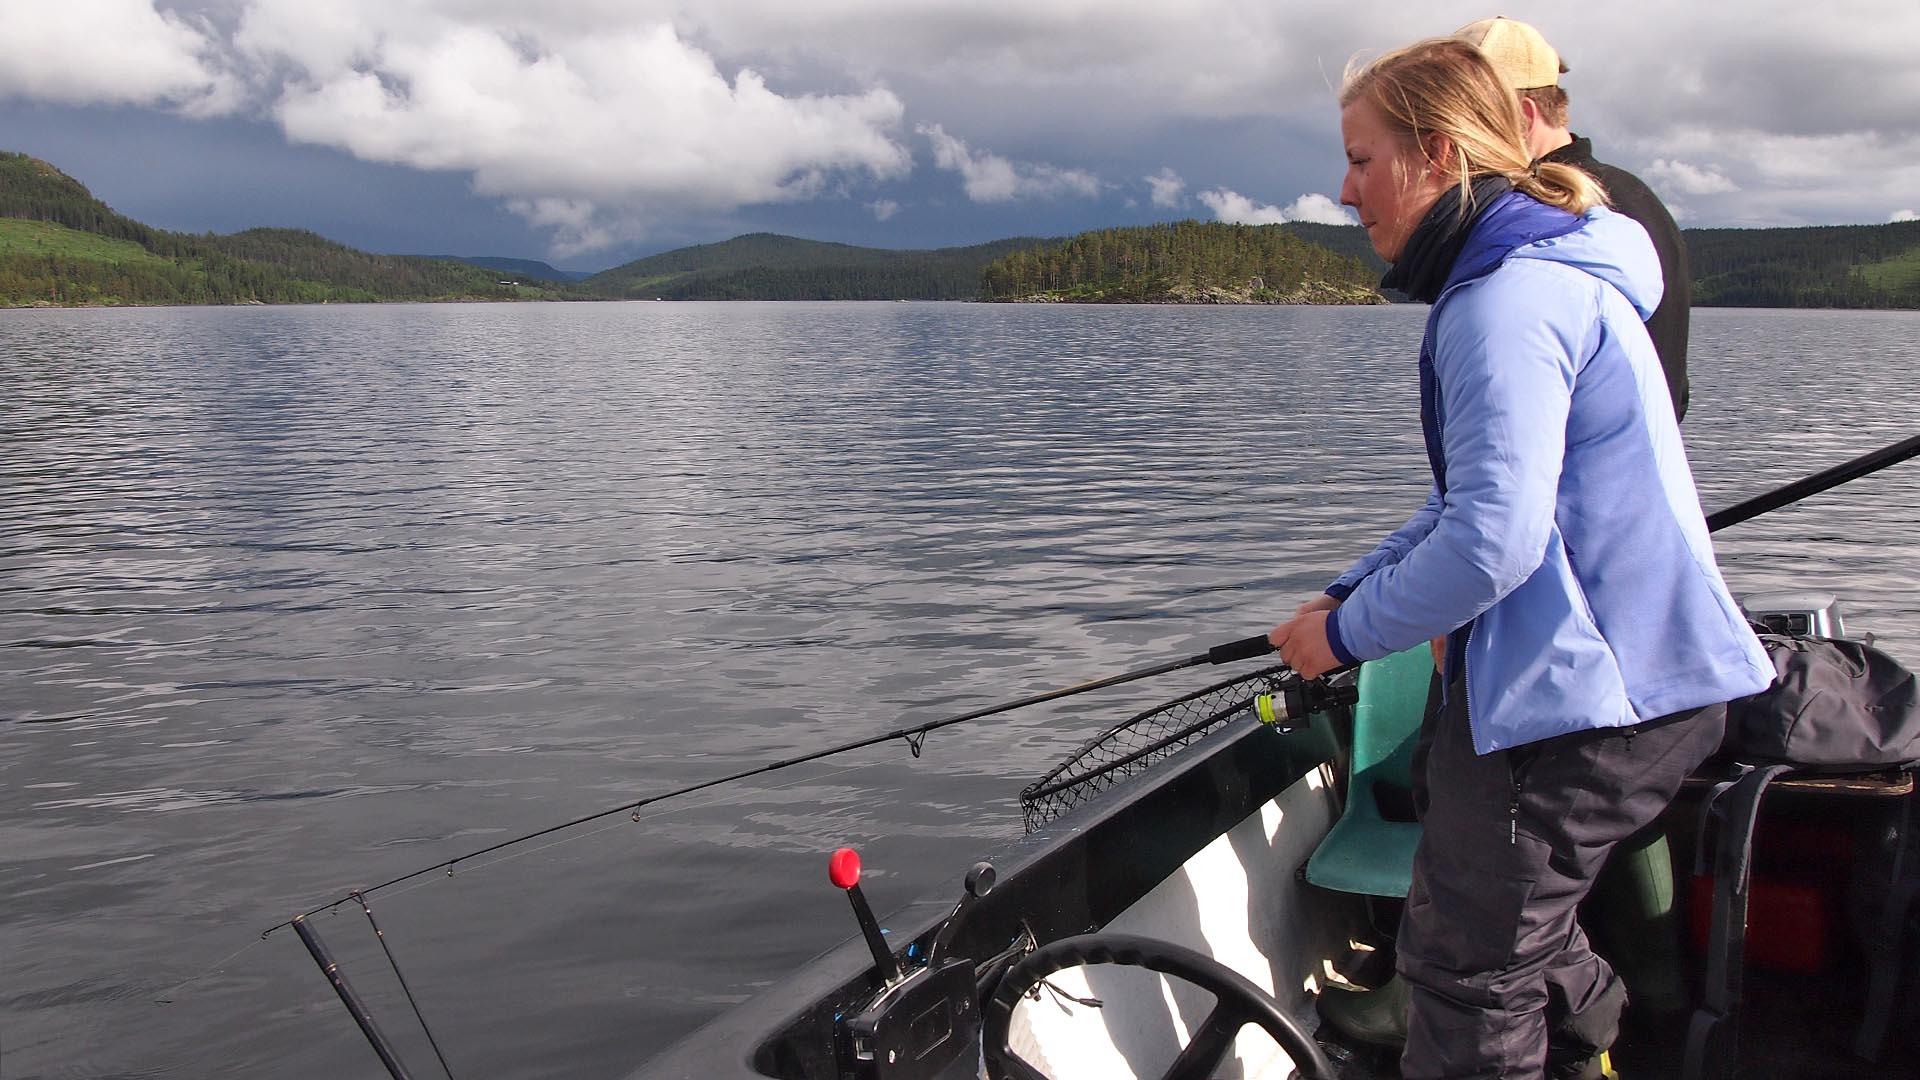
<point x="1686" y="179"/>
<point x="631" y="111"/>
<point x="1786" y="180"/>
<point x="573" y="222"/>
<point x="1904" y="215"/>
<point x="1320" y="210"/>
<point x="883" y="209"/>
<point x="1167" y="187"/>
<point x="1233" y="207"/>
<point x="592" y="136"/>
<point x="111" y="52"/>
<point x="988" y="177"/>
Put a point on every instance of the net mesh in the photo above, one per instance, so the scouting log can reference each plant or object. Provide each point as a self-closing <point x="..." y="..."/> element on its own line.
<point x="1140" y="742"/>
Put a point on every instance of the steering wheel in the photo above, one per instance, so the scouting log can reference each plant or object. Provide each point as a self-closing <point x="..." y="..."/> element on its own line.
<point x="1238" y="1002"/>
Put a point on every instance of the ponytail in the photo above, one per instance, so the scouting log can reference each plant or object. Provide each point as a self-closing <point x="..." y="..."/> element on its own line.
<point x="1446" y="87"/>
<point x="1566" y="186"/>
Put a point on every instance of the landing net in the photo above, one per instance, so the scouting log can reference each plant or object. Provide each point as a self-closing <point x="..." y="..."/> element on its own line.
<point x="1140" y="742"/>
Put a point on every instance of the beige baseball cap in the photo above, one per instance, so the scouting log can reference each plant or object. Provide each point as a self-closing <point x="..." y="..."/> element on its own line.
<point x="1517" y="51"/>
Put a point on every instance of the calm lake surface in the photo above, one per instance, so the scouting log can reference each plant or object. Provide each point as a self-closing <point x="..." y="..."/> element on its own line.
<point x="297" y="600"/>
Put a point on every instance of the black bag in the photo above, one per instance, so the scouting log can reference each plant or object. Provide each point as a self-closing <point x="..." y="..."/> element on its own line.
<point x="1835" y="706"/>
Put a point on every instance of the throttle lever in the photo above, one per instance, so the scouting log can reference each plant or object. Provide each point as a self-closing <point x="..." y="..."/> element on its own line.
<point x="843" y="869"/>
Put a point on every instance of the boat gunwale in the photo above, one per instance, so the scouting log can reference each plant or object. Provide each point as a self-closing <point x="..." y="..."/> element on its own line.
<point x="1182" y="805"/>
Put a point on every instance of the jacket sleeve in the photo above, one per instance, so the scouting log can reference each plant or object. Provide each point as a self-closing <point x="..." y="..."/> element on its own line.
<point x="1392" y="549"/>
<point x="1506" y="351"/>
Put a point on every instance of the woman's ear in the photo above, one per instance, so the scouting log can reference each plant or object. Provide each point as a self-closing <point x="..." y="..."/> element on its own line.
<point x="1440" y="155"/>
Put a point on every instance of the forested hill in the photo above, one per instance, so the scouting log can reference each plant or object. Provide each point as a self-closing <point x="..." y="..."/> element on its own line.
<point x="1831" y="266"/>
<point x="60" y="245"/>
<point x="1183" y="262"/>
<point x="1348" y="240"/>
<point x="763" y="266"/>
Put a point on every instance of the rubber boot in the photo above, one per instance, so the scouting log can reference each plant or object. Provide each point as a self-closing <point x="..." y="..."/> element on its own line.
<point x="1636" y="922"/>
<point x="1376" y="1017"/>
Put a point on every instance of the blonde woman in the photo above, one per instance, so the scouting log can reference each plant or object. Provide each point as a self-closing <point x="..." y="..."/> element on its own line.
<point x="1590" y="640"/>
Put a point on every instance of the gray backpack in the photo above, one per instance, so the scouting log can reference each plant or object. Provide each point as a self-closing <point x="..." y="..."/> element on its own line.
<point x="1836" y="705"/>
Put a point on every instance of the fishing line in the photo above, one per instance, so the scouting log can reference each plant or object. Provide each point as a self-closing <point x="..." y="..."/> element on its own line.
<point x="216" y="966"/>
<point x="714" y="799"/>
<point x="915" y="737"/>
<point x="1243" y="649"/>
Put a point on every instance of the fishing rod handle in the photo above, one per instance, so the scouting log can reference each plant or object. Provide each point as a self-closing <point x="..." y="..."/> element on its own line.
<point x="1244" y="649"/>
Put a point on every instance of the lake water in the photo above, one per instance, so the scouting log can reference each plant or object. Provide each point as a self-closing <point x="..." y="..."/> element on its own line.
<point x="297" y="600"/>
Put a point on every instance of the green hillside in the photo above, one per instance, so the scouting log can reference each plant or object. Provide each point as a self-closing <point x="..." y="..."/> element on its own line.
<point x="60" y="245"/>
<point x="1182" y="262"/>
<point x="1835" y="266"/>
<point x="19" y="236"/>
<point x="1348" y="240"/>
<point x="763" y="266"/>
<point x="1897" y="274"/>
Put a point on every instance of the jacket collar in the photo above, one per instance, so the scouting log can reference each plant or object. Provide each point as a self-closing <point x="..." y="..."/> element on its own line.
<point x="1511" y="221"/>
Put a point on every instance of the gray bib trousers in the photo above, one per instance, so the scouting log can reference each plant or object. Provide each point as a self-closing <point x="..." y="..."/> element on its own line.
<point x="1511" y="842"/>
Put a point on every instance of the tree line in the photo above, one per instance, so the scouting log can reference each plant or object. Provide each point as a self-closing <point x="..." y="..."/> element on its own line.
<point x="1173" y="261"/>
<point x="1850" y="266"/>
<point x="1828" y="266"/>
<point x="763" y="266"/>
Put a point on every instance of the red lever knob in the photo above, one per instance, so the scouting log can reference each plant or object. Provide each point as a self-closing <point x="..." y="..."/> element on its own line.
<point x="843" y="869"/>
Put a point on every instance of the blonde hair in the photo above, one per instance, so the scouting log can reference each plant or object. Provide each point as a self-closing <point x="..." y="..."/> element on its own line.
<point x="1446" y="87"/>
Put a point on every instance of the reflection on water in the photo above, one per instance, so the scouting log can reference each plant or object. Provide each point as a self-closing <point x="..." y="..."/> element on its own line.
<point x="295" y="600"/>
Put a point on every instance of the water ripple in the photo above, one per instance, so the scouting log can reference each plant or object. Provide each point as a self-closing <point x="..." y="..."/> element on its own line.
<point x="298" y="598"/>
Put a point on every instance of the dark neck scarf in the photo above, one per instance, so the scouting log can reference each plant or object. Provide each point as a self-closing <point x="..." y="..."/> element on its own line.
<point x="1422" y="269"/>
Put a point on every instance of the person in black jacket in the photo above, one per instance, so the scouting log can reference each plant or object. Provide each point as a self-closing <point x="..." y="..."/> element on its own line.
<point x="1532" y="67"/>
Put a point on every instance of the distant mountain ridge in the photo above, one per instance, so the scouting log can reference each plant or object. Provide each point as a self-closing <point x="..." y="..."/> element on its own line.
<point x="523" y="268"/>
<point x="61" y="246"/>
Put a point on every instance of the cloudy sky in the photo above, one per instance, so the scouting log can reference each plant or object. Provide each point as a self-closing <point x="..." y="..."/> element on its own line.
<point x="588" y="132"/>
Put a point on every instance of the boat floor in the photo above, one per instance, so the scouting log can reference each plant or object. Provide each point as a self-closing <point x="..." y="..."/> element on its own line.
<point x="1791" y="1028"/>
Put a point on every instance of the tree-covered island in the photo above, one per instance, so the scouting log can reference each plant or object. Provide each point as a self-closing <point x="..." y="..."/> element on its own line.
<point x="1185" y="262"/>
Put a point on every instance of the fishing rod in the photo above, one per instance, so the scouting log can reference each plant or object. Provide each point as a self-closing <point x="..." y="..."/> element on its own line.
<point x="1815" y="484"/>
<point x="1243" y="649"/>
<point x="914" y="735"/>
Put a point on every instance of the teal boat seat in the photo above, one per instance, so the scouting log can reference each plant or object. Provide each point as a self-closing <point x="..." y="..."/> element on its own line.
<point x="1370" y="849"/>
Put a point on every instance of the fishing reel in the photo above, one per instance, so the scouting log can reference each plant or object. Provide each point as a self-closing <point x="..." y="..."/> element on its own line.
<point x="1288" y="707"/>
<point x="923" y="1024"/>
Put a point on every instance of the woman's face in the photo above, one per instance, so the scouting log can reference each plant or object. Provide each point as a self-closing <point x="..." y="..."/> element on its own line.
<point x="1390" y="184"/>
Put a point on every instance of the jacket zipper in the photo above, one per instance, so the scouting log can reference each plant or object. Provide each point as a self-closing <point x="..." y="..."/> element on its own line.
<point x="1466" y="693"/>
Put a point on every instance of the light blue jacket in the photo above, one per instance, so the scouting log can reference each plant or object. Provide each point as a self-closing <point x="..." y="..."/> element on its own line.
<point x="1563" y="542"/>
